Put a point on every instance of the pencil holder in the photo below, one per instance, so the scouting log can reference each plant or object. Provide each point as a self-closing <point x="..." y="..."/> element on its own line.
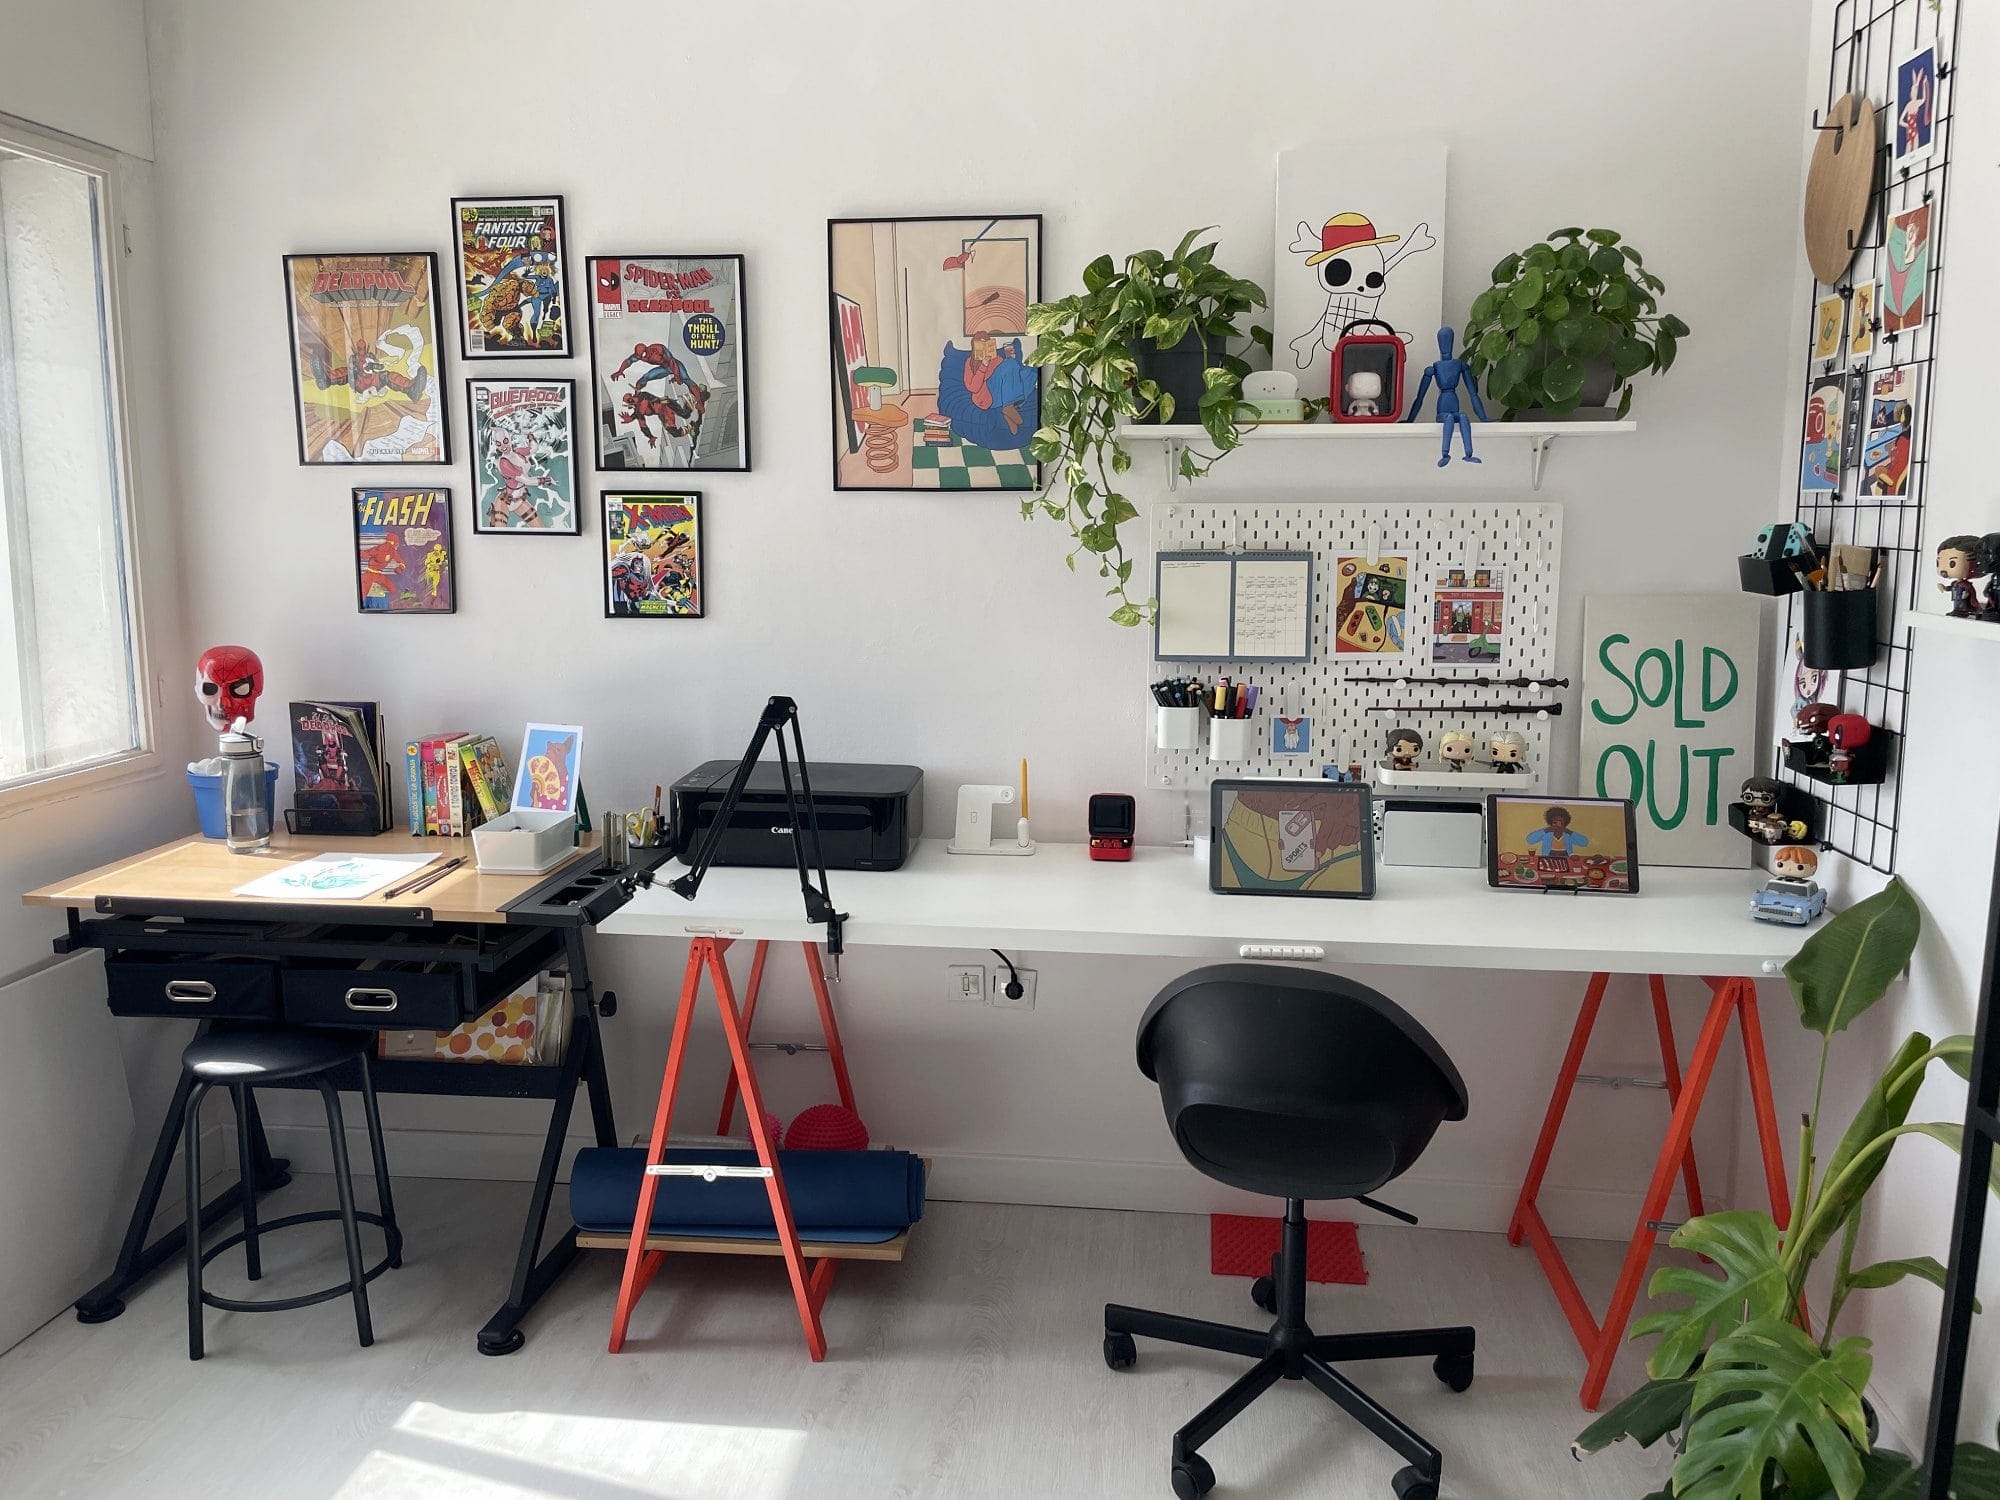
<point x="1177" y="728"/>
<point x="1839" y="629"/>
<point x="1231" y="739"/>
<point x="1770" y="576"/>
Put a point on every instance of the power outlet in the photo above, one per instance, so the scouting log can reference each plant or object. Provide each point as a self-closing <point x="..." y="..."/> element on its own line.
<point x="966" y="983"/>
<point x="996" y="992"/>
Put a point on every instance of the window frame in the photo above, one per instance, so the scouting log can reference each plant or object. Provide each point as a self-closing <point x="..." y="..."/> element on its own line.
<point x="113" y="248"/>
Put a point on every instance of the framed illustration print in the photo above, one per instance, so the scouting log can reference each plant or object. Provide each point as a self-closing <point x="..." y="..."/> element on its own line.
<point x="1561" y="844"/>
<point x="652" y="554"/>
<point x="669" y="364"/>
<point x="365" y="363"/>
<point x="513" y="301"/>
<point x="403" y="561"/>
<point x="1291" y="838"/>
<point x="551" y="767"/>
<point x="523" y="456"/>
<point x="932" y="389"/>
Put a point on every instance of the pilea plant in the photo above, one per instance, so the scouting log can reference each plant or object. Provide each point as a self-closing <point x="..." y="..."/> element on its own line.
<point x="1555" y="308"/>
<point x="1093" y="346"/>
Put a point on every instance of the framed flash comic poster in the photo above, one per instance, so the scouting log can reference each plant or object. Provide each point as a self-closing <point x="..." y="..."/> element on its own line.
<point x="523" y="456"/>
<point x="652" y="555"/>
<point x="512" y="296"/>
<point x="932" y="389"/>
<point x="668" y="362"/>
<point x="365" y="361"/>
<point x="403" y="559"/>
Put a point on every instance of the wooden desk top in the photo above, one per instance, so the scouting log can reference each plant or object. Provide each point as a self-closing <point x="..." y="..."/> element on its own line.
<point x="203" y="870"/>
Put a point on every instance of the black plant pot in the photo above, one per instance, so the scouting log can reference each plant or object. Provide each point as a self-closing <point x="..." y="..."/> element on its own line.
<point x="1179" y="371"/>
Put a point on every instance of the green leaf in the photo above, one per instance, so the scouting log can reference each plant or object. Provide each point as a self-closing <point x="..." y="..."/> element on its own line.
<point x="1849" y="963"/>
<point x="1889" y="1272"/>
<point x="1511" y="314"/>
<point x="1674" y="326"/>
<point x="1956" y="1052"/>
<point x="1541" y="257"/>
<point x="1602" y="236"/>
<point x="1529" y="333"/>
<point x="1573" y="258"/>
<point x="1555" y="307"/>
<point x="1885" y="1108"/>
<point x="1605" y="261"/>
<point x="1624" y="403"/>
<point x="1505" y="269"/>
<point x="1165" y="406"/>
<point x="1954" y="1137"/>
<point x="1512" y="367"/>
<point x="1629" y="356"/>
<point x="1665" y="346"/>
<point x="1614" y="295"/>
<point x="1743" y="1244"/>
<point x="1118" y="510"/>
<point x="1126" y="614"/>
<point x="1565" y="234"/>
<point x="1593" y="338"/>
<point x="1632" y="255"/>
<point x="1097" y="275"/>
<point x="1493" y="344"/>
<point x="1567" y="332"/>
<point x="1562" y="378"/>
<point x="1483" y="307"/>
<point x="1767" y="1394"/>
<point x="1657" y="1408"/>
<point x="1528" y="290"/>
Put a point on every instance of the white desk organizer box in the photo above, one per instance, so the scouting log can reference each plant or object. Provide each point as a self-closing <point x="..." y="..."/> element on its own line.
<point x="525" y="841"/>
<point x="1526" y="540"/>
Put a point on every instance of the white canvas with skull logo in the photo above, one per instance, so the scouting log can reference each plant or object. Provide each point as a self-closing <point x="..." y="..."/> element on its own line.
<point x="1360" y="234"/>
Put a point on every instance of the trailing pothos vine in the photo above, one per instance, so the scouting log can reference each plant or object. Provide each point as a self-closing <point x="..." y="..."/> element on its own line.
<point x="1086" y="344"/>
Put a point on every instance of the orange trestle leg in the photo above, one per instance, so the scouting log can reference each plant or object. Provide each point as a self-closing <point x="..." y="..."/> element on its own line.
<point x="1730" y="997"/>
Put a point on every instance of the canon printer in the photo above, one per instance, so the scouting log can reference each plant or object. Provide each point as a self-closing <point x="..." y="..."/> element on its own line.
<point x="869" y="816"/>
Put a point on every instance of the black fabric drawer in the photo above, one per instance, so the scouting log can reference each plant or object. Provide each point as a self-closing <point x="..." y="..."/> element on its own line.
<point x="199" y="988"/>
<point x="386" y="996"/>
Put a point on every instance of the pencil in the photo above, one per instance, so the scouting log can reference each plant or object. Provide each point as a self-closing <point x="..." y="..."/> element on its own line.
<point x="1024" y="786"/>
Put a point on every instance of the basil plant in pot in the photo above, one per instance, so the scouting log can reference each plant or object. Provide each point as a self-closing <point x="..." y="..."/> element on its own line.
<point x="1567" y="324"/>
<point x="1144" y="341"/>
<point x="1757" y="1389"/>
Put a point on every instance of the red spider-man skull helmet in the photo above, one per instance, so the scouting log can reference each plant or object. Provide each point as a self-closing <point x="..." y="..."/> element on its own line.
<point x="228" y="680"/>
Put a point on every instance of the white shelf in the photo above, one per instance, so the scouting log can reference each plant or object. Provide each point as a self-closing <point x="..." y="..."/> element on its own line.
<point x="1540" y="435"/>
<point x="1918" y="619"/>
<point x="1455" y="781"/>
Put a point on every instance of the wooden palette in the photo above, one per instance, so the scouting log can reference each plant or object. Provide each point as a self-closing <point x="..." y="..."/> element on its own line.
<point x="1840" y="184"/>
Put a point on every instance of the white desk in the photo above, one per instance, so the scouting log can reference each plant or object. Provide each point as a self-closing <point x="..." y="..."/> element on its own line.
<point x="1060" y="901"/>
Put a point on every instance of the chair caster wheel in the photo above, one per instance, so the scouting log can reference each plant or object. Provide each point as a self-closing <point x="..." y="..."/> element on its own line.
<point x="1264" y="1292"/>
<point x="1193" y="1478"/>
<point x="1455" y="1370"/>
<point x="1410" y="1485"/>
<point x="1120" y="1353"/>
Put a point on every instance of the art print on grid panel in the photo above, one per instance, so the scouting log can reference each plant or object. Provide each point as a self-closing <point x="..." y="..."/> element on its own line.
<point x="932" y="389"/>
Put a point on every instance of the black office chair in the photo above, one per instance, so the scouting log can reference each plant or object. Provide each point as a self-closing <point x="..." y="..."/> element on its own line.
<point x="1298" y="1085"/>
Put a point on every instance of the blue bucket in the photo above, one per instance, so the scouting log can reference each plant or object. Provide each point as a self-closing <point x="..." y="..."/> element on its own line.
<point x="208" y="800"/>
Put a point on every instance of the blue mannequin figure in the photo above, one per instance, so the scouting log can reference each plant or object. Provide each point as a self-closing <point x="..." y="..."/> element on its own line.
<point x="1449" y="373"/>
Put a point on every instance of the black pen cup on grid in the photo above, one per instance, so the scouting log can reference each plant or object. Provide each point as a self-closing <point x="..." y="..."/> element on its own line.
<point x="1840" y="629"/>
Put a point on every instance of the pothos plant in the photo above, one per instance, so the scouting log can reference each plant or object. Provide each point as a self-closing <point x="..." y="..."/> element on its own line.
<point x="1759" y="1393"/>
<point x="1578" y="296"/>
<point x="1088" y="345"/>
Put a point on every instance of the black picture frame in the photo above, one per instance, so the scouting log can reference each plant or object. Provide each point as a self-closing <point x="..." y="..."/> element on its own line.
<point x="448" y="533"/>
<point x="1224" y="795"/>
<point x="597" y="408"/>
<point x="1584" y="884"/>
<point x="563" y="289"/>
<point x="848" y="437"/>
<point x="433" y="376"/>
<point x="476" y="459"/>
<point x="615" y="535"/>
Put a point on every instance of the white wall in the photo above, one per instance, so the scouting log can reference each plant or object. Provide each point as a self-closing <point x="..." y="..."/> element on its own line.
<point x="78" y="66"/>
<point x="946" y="632"/>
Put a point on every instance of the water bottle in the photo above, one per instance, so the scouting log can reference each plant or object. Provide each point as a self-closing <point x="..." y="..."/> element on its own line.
<point x="248" y="814"/>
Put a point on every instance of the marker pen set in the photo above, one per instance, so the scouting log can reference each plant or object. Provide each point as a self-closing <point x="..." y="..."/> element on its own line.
<point x="1222" y="698"/>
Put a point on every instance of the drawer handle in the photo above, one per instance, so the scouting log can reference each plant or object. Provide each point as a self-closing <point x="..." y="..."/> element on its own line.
<point x="370" y="999"/>
<point x="190" y="991"/>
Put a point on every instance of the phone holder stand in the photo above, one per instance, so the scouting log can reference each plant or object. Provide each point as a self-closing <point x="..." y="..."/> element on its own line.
<point x="973" y="832"/>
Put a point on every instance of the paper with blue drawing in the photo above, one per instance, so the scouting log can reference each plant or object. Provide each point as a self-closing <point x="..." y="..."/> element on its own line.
<point x="335" y="877"/>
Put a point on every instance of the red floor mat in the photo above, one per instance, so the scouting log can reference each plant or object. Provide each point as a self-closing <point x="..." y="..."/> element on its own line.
<point x="1240" y="1245"/>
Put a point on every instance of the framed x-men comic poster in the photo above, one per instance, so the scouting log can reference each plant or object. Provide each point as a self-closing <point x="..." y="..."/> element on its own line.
<point x="652" y="555"/>
<point x="668" y="362"/>
<point x="365" y="361"/>
<point x="512" y="297"/>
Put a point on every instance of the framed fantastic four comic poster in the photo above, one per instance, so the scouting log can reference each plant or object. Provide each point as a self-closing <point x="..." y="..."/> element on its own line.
<point x="513" y="301"/>
<point x="669" y="362"/>
<point x="365" y="361"/>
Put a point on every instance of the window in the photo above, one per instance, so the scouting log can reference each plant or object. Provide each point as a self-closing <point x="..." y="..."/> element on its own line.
<point x="69" y="649"/>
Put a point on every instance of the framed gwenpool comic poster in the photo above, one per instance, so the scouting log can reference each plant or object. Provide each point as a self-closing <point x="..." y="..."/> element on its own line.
<point x="669" y="364"/>
<point x="365" y="361"/>
<point x="512" y="296"/>
<point x="523" y="456"/>
<point x="652" y="555"/>
<point x="932" y="389"/>
<point x="402" y="547"/>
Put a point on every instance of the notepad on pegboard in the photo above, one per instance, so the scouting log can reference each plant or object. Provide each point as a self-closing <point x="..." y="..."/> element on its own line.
<point x="1242" y="1245"/>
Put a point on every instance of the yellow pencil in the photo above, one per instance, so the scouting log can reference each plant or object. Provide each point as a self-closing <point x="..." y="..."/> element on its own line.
<point x="1024" y="786"/>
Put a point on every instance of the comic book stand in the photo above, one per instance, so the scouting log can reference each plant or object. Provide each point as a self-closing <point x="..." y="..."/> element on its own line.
<point x="1730" y="998"/>
<point x="645" y="1252"/>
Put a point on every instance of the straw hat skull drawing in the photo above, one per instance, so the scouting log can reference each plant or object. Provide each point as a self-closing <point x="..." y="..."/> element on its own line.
<point x="1348" y="256"/>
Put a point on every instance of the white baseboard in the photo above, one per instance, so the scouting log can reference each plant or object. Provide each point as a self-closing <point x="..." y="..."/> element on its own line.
<point x="1156" y="1187"/>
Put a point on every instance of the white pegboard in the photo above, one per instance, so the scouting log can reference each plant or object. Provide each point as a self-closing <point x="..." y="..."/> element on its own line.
<point x="1526" y="540"/>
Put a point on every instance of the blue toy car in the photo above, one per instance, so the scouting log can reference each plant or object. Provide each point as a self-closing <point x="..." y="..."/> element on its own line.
<point x="1790" y="903"/>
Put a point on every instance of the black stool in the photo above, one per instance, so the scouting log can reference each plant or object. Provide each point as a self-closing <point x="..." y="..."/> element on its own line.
<point x="1295" y="1084"/>
<point x="239" y="1060"/>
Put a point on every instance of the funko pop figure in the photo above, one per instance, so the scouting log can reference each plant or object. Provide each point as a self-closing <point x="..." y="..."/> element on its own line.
<point x="1455" y="750"/>
<point x="1845" y="734"/>
<point x="1405" y="745"/>
<point x="1760" y="796"/>
<point x="1508" y="750"/>
<point x="1791" y="897"/>
<point x="1364" y="394"/>
<point x="1961" y="559"/>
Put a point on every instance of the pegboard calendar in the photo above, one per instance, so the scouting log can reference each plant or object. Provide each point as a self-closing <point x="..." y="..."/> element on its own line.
<point x="1352" y="699"/>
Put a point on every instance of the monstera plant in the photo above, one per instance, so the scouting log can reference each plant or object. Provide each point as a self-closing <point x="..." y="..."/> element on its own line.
<point x="1758" y="1391"/>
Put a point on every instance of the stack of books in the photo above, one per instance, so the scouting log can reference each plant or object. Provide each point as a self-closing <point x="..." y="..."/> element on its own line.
<point x="337" y="768"/>
<point x="937" y="431"/>
<point x="455" y="782"/>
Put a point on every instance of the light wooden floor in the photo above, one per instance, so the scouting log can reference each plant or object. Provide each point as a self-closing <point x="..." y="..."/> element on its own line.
<point x="972" y="1369"/>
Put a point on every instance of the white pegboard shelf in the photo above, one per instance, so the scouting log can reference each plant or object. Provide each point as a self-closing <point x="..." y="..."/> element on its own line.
<point x="1918" y="619"/>
<point x="1540" y="435"/>
<point x="1450" y="781"/>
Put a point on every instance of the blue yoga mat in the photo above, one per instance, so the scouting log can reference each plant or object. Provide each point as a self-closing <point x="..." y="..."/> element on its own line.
<point x="858" y="1196"/>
